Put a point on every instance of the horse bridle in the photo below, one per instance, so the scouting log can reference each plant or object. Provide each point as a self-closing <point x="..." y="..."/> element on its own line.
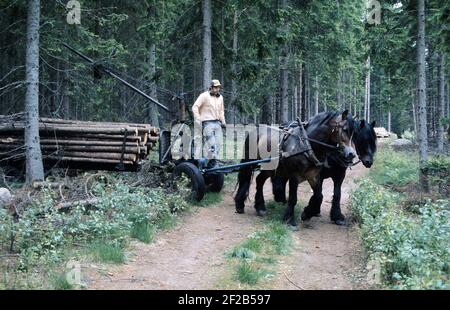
<point x="338" y="127"/>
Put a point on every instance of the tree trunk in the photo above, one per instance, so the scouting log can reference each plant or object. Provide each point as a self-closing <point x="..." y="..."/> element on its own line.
<point x="295" y="104"/>
<point x="441" y="103"/>
<point x="152" y="109"/>
<point x="339" y="91"/>
<point x="308" y="95"/>
<point x="34" y="166"/>
<point x="316" y="96"/>
<point x="234" y="64"/>
<point x="421" y="92"/>
<point x="367" y="93"/>
<point x="414" y="110"/>
<point x="300" y="95"/>
<point x="207" y="50"/>
<point x="284" y="104"/>
<point x="389" y="121"/>
<point x="222" y="30"/>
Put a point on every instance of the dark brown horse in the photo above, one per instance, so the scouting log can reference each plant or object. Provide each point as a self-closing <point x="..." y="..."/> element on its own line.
<point x="364" y="140"/>
<point x="326" y="132"/>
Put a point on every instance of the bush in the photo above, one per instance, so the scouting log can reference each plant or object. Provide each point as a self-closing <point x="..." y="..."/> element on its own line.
<point x="438" y="171"/>
<point x="42" y="232"/>
<point x="395" y="168"/>
<point x="409" y="135"/>
<point x="413" y="252"/>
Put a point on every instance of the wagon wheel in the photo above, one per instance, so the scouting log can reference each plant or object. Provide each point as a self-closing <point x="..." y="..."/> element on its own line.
<point x="214" y="182"/>
<point x="188" y="177"/>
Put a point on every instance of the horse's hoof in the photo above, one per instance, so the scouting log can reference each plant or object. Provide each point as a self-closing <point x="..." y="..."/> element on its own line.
<point x="293" y="227"/>
<point x="340" y="222"/>
<point x="240" y="211"/>
<point x="305" y="217"/>
<point x="261" y="213"/>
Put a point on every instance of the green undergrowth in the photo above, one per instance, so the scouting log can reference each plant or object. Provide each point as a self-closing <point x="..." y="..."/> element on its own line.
<point x="42" y="238"/>
<point x="253" y="262"/>
<point x="407" y="239"/>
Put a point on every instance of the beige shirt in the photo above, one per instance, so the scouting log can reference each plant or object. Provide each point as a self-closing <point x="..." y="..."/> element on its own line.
<point x="209" y="108"/>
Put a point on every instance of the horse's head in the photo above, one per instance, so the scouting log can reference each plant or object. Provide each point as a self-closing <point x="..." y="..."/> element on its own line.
<point x="343" y="131"/>
<point x="366" y="142"/>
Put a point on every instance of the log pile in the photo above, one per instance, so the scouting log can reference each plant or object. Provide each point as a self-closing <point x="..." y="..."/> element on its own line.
<point x="80" y="143"/>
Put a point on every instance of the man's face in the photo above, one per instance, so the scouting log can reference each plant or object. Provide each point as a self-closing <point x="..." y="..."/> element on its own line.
<point x="215" y="90"/>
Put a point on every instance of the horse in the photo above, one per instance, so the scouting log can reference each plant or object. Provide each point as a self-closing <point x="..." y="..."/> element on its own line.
<point x="364" y="140"/>
<point x="326" y="132"/>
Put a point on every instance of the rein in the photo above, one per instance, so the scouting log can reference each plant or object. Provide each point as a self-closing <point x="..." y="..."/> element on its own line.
<point x="310" y="151"/>
<point x="321" y="143"/>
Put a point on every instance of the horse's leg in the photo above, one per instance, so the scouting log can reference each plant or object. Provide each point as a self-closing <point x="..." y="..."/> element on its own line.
<point x="260" y="204"/>
<point x="313" y="208"/>
<point x="335" y="213"/>
<point x="289" y="215"/>
<point x="279" y="188"/>
<point x="244" y="181"/>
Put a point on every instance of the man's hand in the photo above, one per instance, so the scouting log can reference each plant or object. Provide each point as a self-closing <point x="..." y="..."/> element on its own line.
<point x="223" y="125"/>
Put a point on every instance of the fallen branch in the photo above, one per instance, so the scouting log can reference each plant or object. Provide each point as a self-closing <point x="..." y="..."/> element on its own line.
<point x="293" y="283"/>
<point x="53" y="185"/>
<point x="9" y="255"/>
<point x="71" y="204"/>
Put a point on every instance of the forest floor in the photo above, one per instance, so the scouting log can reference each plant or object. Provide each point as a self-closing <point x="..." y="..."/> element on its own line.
<point x="192" y="255"/>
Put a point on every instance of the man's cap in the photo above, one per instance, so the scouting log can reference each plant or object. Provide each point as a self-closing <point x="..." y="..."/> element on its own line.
<point x="215" y="83"/>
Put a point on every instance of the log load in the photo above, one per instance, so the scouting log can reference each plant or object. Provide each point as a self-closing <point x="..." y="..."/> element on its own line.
<point x="80" y="144"/>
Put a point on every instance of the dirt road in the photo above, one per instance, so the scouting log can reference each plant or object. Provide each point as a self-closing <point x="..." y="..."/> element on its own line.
<point x="191" y="256"/>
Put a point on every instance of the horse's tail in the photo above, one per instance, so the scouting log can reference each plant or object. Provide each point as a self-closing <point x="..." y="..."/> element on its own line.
<point x="279" y="189"/>
<point x="245" y="177"/>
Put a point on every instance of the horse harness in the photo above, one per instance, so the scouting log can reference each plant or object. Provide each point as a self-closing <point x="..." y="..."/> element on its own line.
<point x="304" y="145"/>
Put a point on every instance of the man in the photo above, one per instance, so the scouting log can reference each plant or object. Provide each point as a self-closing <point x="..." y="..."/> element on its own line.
<point x="209" y="112"/>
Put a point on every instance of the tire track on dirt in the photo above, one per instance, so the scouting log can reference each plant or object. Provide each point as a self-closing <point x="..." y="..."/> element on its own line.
<point x="324" y="255"/>
<point x="192" y="256"/>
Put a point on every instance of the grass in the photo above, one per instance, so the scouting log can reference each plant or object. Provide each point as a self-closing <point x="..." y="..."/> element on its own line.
<point x="395" y="168"/>
<point x="250" y="274"/>
<point x="60" y="282"/>
<point x="255" y="259"/>
<point x="107" y="253"/>
<point x="143" y="232"/>
<point x="210" y="200"/>
<point x="165" y="222"/>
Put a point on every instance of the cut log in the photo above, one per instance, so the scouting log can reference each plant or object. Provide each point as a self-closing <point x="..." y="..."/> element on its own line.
<point x="75" y="122"/>
<point x="153" y="139"/>
<point x="79" y="143"/>
<point x="116" y="156"/>
<point x="75" y="143"/>
<point x="82" y="148"/>
<point x="88" y="160"/>
<point x="78" y="130"/>
<point x="106" y="137"/>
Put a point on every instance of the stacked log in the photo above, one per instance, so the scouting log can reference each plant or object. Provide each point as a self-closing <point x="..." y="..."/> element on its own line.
<point x="80" y="142"/>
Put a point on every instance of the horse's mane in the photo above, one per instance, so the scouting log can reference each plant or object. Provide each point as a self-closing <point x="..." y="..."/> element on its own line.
<point x="320" y="119"/>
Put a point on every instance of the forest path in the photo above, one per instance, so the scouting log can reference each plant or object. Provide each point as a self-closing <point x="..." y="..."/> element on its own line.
<point x="192" y="255"/>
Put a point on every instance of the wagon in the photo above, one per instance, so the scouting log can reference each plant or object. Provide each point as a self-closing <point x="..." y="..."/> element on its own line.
<point x="200" y="178"/>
